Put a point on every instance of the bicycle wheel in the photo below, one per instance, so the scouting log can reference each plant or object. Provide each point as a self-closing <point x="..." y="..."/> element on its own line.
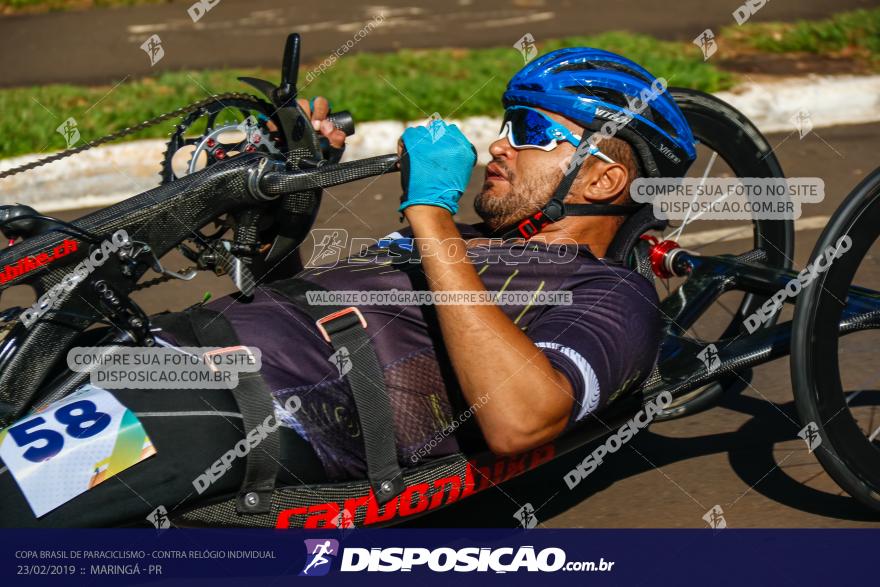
<point x="833" y="363"/>
<point x="729" y="145"/>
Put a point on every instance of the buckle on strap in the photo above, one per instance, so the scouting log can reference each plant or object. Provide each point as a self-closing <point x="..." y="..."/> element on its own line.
<point x="326" y="328"/>
<point x="207" y="356"/>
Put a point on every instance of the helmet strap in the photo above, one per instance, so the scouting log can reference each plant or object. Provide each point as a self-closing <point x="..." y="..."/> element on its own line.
<point x="555" y="210"/>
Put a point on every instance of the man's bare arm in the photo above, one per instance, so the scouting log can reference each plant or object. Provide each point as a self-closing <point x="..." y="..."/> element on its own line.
<point x="529" y="401"/>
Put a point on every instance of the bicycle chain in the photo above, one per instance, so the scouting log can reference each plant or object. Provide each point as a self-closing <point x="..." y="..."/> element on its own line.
<point x="130" y="130"/>
<point x="182" y="111"/>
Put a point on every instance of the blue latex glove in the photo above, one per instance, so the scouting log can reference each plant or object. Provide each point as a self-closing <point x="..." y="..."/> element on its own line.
<point x="435" y="165"/>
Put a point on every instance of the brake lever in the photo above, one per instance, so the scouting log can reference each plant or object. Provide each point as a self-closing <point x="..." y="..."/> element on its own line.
<point x="156" y="266"/>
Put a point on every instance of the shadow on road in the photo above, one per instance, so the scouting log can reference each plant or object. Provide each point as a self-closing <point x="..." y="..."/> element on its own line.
<point x="750" y="451"/>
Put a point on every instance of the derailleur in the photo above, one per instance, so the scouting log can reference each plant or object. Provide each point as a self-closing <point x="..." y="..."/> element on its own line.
<point x="225" y="257"/>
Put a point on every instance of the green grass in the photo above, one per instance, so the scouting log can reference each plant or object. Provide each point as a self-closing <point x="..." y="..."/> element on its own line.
<point x="855" y="34"/>
<point x="412" y="84"/>
<point x="406" y="85"/>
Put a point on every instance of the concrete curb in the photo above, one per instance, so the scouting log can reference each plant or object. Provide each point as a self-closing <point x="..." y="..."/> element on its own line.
<point x="106" y="175"/>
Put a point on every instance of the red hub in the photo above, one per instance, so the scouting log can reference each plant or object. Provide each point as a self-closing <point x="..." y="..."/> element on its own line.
<point x="657" y="253"/>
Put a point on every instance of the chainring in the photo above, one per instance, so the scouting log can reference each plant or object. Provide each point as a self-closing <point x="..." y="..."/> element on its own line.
<point x="218" y="130"/>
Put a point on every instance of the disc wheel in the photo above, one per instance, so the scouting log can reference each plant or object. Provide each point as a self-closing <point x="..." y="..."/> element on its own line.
<point x="836" y="375"/>
<point x="728" y="145"/>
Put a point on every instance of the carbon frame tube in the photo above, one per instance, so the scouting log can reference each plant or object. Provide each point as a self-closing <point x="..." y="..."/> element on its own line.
<point x="679" y="368"/>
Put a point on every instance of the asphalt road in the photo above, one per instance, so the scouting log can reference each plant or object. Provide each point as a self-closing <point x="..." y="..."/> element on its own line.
<point x="743" y="455"/>
<point x="38" y="49"/>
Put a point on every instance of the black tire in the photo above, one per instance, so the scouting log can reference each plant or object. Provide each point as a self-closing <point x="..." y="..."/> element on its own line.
<point x="727" y="132"/>
<point x="845" y="452"/>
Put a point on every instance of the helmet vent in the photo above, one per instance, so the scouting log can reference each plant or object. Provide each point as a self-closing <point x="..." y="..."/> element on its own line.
<point x="603" y="66"/>
<point x="527" y="87"/>
<point x="619" y="100"/>
<point x="600" y="93"/>
<point x="661" y="121"/>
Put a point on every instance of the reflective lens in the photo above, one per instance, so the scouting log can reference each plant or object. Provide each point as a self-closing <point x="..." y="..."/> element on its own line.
<point x="527" y="128"/>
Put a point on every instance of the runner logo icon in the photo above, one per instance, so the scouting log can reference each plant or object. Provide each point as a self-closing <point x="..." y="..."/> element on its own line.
<point x="319" y="556"/>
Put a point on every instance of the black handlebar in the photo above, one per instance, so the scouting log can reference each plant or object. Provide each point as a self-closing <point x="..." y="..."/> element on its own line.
<point x="283" y="182"/>
<point x="21" y="221"/>
<point x="343" y="121"/>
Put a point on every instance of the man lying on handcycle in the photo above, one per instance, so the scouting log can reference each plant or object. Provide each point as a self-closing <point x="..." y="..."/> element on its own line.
<point x="524" y="371"/>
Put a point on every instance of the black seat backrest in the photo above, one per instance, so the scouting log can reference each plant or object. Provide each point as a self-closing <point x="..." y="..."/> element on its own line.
<point x="627" y="248"/>
<point x="628" y="234"/>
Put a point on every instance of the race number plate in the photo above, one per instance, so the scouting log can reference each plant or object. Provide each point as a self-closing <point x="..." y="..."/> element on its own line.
<point x="71" y="446"/>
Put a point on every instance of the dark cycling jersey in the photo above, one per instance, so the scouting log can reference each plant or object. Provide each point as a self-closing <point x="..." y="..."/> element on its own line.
<point x="604" y="342"/>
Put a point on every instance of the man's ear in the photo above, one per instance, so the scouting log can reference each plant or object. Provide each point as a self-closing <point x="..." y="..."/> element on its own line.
<point x="602" y="182"/>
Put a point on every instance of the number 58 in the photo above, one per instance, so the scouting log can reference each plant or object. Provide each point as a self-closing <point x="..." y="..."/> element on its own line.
<point x="81" y="418"/>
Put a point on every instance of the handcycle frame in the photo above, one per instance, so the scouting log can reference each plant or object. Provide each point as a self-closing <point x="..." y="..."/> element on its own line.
<point x="31" y="359"/>
<point x="708" y="277"/>
<point x="226" y="186"/>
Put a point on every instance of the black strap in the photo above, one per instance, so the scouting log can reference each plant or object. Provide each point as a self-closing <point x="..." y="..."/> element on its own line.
<point x="602" y="209"/>
<point x="349" y="338"/>
<point x="555" y="210"/>
<point x="206" y="327"/>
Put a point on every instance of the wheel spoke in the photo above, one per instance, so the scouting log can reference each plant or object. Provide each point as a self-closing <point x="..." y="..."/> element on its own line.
<point x="720" y="154"/>
<point x="687" y="216"/>
<point x="871" y="423"/>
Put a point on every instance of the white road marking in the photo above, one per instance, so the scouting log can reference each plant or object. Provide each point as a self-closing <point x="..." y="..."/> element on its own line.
<point x="512" y="21"/>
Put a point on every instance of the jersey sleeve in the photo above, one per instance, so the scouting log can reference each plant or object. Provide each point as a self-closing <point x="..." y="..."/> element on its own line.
<point x="605" y="341"/>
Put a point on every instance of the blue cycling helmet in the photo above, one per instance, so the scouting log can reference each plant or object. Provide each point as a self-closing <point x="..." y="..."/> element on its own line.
<point x="593" y="87"/>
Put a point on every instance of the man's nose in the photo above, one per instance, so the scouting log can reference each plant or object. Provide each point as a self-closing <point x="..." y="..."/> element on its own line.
<point x="501" y="149"/>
